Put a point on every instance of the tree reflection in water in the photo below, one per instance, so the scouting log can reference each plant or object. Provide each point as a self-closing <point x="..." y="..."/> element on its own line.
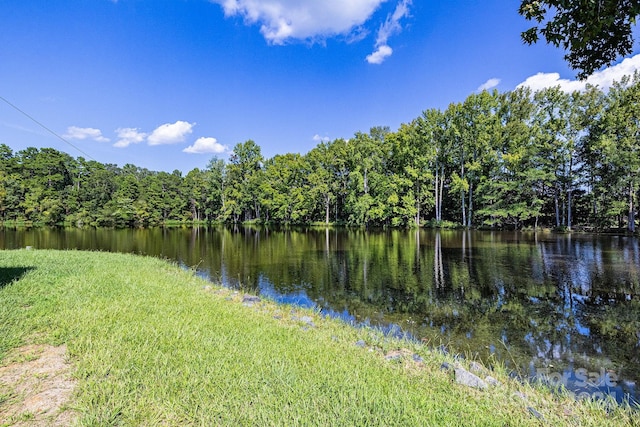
<point x="534" y="301"/>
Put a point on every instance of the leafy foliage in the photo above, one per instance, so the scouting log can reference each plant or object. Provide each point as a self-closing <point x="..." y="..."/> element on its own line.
<point x="595" y="33"/>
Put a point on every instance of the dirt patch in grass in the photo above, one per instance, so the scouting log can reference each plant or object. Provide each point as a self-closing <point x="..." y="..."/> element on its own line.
<point x="35" y="387"/>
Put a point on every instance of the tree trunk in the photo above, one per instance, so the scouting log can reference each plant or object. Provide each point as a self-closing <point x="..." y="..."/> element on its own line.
<point x="326" y="207"/>
<point x="470" y="204"/>
<point x="256" y="207"/>
<point x="631" y="226"/>
<point x="569" y="213"/>
<point x="464" y="213"/>
<point x="418" y="207"/>
<point x="440" y="192"/>
<point x="570" y="192"/>
<point x="437" y="195"/>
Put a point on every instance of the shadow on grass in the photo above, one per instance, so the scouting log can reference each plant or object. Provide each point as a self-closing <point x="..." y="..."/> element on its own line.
<point x="11" y="274"/>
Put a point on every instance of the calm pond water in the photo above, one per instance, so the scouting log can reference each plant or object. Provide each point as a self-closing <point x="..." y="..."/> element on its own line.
<point x="559" y="307"/>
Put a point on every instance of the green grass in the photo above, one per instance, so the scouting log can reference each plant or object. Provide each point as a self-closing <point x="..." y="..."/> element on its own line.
<point x="150" y="346"/>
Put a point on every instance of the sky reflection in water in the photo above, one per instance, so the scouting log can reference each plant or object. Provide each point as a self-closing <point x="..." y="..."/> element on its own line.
<point x="566" y="306"/>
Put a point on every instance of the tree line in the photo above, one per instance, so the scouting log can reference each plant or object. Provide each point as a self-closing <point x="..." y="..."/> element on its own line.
<point x="518" y="159"/>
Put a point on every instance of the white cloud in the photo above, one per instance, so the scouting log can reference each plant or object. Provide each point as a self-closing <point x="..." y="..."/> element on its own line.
<point x="390" y="27"/>
<point x="379" y="55"/>
<point x="74" y="132"/>
<point x="318" y="138"/>
<point x="603" y="79"/>
<point x="206" y="145"/>
<point x="170" y="133"/>
<point x="489" y="84"/>
<point x="128" y="136"/>
<point x="284" y="20"/>
<point x="606" y="77"/>
<point x="544" y="80"/>
<point x="281" y="20"/>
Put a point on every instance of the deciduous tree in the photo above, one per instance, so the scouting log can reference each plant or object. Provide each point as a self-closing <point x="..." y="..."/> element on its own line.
<point x="593" y="32"/>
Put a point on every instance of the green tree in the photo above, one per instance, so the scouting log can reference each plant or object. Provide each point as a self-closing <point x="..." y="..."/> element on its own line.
<point x="282" y="191"/>
<point x="161" y="198"/>
<point x="215" y="202"/>
<point x="621" y="144"/>
<point x="457" y="151"/>
<point x="323" y="180"/>
<point x="195" y="188"/>
<point x="556" y="132"/>
<point x="95" y="186"/>
<point x="412" y="158"/>
<point x="479" y="127"/>
<point x="368" y="158"/>
<point x="10" y="189"/>
<point x="44" y="177"/>
<point x="432" y="127"/>
<point x="510" y="190"/>
<point x="594" y="33"/>
<point x="594" y="157"/>
<point x="244" y="174"/>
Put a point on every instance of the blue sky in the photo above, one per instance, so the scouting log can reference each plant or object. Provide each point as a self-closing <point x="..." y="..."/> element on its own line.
<point x="168" y="84"/>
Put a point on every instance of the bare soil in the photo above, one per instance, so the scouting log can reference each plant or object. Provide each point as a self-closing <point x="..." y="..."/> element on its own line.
<point x="36" y="387"/>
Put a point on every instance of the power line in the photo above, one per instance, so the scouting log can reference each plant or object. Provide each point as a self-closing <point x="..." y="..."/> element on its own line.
<point x="45" y="128"/>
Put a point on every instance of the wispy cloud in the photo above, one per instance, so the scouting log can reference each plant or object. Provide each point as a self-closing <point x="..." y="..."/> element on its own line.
<point x="206" y="145"/>
<point x="390" y="27"/>
<point x="489" y="84"/>
<point x="78" y="133"/>
<point x="170" y="133"/>
<point x="603" y="79"/>
<point x="22" y="128"/>
<point x="128" y="136"/>
<point x="282" y="20"/>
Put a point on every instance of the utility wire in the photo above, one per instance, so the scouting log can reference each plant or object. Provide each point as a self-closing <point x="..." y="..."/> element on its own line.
<point x="45" y="128"/>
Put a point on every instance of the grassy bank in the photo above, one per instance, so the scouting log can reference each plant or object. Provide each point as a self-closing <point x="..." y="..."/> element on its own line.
<point x="152" y="344"/>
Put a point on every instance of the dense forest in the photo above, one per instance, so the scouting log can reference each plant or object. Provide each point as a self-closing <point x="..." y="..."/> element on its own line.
<point x="497" y="160"/>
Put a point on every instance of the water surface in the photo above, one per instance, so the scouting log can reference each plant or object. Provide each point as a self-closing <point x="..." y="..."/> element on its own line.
<point x="563" y="307"/>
